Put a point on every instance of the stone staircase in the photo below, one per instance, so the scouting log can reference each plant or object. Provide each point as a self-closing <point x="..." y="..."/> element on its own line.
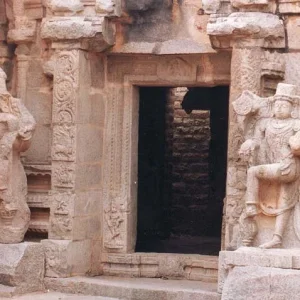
<point x="133" y="288"/>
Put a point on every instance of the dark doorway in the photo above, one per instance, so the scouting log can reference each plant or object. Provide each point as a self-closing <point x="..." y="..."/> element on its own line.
<point x="181" y="169"/>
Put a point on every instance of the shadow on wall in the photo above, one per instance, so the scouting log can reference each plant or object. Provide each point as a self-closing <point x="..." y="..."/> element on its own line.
<point x="153" y="20"/>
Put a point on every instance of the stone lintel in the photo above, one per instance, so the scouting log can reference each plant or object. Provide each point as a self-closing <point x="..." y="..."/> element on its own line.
<point x="21" y="268"/>
<point x="261" y="29"/>
<point x="94" y="33"/>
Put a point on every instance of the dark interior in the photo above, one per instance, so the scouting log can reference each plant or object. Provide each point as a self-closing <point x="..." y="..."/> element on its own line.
<point x="182" y="170"/>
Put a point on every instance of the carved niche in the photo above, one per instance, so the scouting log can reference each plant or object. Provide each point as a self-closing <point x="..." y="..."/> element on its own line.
<point x="114" y="217"/>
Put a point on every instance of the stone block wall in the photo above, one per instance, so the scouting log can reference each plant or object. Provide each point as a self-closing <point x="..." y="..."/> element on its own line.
<point x="188" y="140"/>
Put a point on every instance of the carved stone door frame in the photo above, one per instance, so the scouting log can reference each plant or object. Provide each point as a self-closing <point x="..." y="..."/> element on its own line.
<point x="125" y="75"/>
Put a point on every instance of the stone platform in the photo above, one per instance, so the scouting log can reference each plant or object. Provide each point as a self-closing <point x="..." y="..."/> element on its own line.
<point x="134" y="288"/>
<point x="22" y="268"/>
<point x="253" y="273"/>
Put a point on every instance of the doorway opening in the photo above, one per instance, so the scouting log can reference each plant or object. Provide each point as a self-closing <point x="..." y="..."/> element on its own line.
<point x="182" y="155"/>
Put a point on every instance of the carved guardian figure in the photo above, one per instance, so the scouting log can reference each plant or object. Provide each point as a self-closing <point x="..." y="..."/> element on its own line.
<point x="16" y="129"/>
<point x="272" y="151"/>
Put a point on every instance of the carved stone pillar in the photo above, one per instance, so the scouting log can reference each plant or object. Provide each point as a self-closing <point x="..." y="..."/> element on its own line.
<point x="75" y="210"/>
<point x="119" y="219"/>
<point x="237" y="34"/>
<point x="245" y="75"/>
<point x="65" y="98"/>
<point x="70" y="224"/>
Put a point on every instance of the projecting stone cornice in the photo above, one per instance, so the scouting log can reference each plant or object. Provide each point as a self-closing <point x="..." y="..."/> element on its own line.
<point x="93" y="33"/>
<point x="265" y="29"/>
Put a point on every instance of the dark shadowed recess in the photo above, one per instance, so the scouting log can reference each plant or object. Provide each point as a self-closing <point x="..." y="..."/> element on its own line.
<point x="182" y="170"/>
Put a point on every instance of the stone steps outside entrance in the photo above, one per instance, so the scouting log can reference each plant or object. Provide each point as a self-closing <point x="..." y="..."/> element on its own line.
<point x="58" y="296"/>
<point x="134" y="288"/>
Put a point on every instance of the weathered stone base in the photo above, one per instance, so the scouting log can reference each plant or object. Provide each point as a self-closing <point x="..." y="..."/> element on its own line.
<point x="65" y="258"/>
<point x="158" y="265"/>
<point x="253" y="273"/>
<point x="135" y="288"/>
<point x="21" y="268"/>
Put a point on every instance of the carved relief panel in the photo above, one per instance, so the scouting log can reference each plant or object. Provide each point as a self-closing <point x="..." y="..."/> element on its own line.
<point x="271" y="152"/>
<point x="65" y="97"/>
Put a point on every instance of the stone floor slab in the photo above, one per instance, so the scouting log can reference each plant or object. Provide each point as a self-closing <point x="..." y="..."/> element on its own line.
<point x="135" y="288"/>
<point x="59" y="296"/>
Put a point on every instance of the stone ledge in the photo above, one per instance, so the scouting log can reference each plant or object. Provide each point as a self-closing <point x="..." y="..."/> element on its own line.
<point x="256" y="283"/>
<point x="135" y="288"/>
<point x="267" y="29"/>
<point x="97" y="33"/>
<point x="156" y="265"/>
<point x="285" y="259"/>
<point x="60" y="296"/>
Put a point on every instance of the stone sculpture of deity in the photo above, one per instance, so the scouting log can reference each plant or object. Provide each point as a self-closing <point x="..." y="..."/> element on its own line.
<point x="16" y="129"/>
<point x="272" y="153"/>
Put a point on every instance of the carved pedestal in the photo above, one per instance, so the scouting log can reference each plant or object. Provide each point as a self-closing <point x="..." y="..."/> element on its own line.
<point x="252" y="273"/>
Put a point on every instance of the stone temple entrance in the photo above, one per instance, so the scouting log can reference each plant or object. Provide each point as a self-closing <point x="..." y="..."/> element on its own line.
<point x="126" y="78"/>
<point x="181" y="169"/>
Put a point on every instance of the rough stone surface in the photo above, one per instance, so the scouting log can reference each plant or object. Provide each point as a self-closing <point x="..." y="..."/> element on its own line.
<point x="60" y="296"/>
<point x="135" y="288"/>
<point x="265" y="28"/>
<point x="253" y="282"/>
<point x="21" y="268"/>
<point x="65" y="6"/>
<point x="62" y="258"/>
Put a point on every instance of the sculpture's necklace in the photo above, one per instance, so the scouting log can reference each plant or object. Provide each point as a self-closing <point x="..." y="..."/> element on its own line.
<point x="281" y="126"/>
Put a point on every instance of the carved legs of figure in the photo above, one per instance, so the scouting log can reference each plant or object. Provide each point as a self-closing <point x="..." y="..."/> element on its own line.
<point x="280" y="225"/>
<point x="252" y="192"/>
<point x="268" y="172"/>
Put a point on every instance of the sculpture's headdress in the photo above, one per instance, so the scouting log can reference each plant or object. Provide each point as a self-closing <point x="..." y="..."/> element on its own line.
<point x="287" y="92"/>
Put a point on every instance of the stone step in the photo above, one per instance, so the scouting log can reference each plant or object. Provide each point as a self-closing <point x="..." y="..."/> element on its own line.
<point x="6" y="291"/>
<point x="59" y="296"/>
<point x="135" y="288"/>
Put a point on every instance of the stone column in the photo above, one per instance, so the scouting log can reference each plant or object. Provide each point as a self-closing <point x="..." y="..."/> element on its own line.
<point x="75" y="211"/>
<point x="22" y="61"/>
<point x="245" y="75"/>
<point x="72" y="215"/>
